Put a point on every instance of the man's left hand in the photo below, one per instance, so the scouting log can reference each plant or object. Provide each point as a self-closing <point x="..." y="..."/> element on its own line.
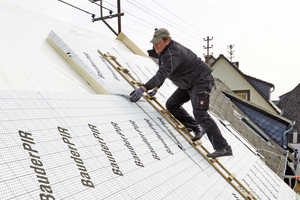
<point x="135" y="95"/>
<point x="152" y="93"/>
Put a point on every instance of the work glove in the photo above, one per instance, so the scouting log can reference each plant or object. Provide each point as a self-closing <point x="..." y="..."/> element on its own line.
<point x="152" y="93"/>
<point x="136" y="94"/>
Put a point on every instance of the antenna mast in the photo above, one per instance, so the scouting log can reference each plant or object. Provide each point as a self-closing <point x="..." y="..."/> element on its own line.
<point x="231" y="52"/>
<point x="207" y="47"/>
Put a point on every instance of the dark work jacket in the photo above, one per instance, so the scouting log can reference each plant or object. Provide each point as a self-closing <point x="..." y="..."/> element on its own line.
<point x="180" y="65"/>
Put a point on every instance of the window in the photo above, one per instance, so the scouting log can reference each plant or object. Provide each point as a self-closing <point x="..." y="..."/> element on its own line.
<point x="293" y="137"/>
<point x="298" y="136"/>
<point x="290" y="137"/>
<point x="245" y="94"/>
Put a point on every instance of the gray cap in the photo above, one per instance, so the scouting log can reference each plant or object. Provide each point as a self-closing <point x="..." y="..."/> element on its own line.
<point x="159" y="35"/>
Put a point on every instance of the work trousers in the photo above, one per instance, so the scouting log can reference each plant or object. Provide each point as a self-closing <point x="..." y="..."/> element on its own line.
<point x="199" y="95"/>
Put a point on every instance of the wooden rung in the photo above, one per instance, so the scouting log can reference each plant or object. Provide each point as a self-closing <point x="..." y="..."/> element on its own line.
<point x="110" y="56"/>
<point x="165" y="111"/>
<point x="180" y="126"/>
<point x="231" y="177"/>
<point x="250" y="195"/>
<point x="149" y="97"/>
<point x="198" y="142"/>
<point x="125" y="70"/>
<point x="136" y="82"/>
<point x="213" y="160"/>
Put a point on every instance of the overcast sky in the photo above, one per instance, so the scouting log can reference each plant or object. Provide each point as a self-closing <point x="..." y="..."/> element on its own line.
<point x="265" y="33"/>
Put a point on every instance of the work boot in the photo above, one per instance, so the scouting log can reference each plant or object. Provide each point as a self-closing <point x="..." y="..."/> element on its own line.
<point x="225" y="151"/>
<point x="199" y="132"/>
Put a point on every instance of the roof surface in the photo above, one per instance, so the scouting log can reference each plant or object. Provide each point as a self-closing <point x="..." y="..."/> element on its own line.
<point x="290" y="105"/>
<point x="71" y="143"/>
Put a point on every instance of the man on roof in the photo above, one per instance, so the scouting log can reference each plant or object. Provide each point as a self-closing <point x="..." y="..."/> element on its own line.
<point x="194" y="80"/>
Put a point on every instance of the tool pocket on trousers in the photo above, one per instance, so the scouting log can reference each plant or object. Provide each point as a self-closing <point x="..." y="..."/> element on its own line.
<point x="202" y="100"/>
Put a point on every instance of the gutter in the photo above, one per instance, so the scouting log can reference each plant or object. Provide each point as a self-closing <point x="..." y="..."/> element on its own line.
<point x="290" y="127"/>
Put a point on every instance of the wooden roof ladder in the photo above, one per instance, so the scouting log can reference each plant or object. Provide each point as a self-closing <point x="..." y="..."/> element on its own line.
<point x="230" y="177"/>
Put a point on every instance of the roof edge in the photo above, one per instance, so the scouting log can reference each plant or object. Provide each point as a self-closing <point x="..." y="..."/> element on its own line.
<point x="257" y="107"/>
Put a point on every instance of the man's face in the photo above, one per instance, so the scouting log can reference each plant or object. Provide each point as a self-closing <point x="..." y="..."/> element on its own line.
<point x="161" y="45"/>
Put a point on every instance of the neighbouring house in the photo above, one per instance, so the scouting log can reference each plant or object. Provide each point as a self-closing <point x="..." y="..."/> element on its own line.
<point x="252" y="89"/>
<point x="263" y="129"/>
<point x="252" y="95"/>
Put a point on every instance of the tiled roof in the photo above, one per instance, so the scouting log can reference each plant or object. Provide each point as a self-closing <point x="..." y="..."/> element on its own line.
<point x="251" y="77"/>
<point x="261" y="85"/>
<point x="273" y="127"/>
<point x="291" y="106"/>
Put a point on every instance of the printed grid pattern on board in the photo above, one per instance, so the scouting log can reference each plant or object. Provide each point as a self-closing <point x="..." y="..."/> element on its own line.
<point x="83" y="51"/>
<point x="69" y="145"/>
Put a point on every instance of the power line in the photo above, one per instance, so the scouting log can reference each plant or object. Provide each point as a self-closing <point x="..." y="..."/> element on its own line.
<point x="245" y="54"/>
<point x="191" y="42"/>
<point x="178" y="17"/>
<point x="134" y="15"/>
<point x="288" y="79"/>
<point x="110" y="11"/>
<point x="158" y="17"/>
<point x="131" y="28"/>
<point x="77" y="8"/>
<point x="189" y="23"/>
<point x="195" y="27"/>
<point x="257" y="58"/>
<point x="219" y="44"/>
<point x="163" y="17"/>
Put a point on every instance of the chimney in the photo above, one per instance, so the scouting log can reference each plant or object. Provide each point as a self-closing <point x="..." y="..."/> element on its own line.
<point x="236" y="64"/>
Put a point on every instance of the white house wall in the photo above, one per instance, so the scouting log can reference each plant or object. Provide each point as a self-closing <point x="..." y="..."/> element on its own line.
<point x="235" y="81"/>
